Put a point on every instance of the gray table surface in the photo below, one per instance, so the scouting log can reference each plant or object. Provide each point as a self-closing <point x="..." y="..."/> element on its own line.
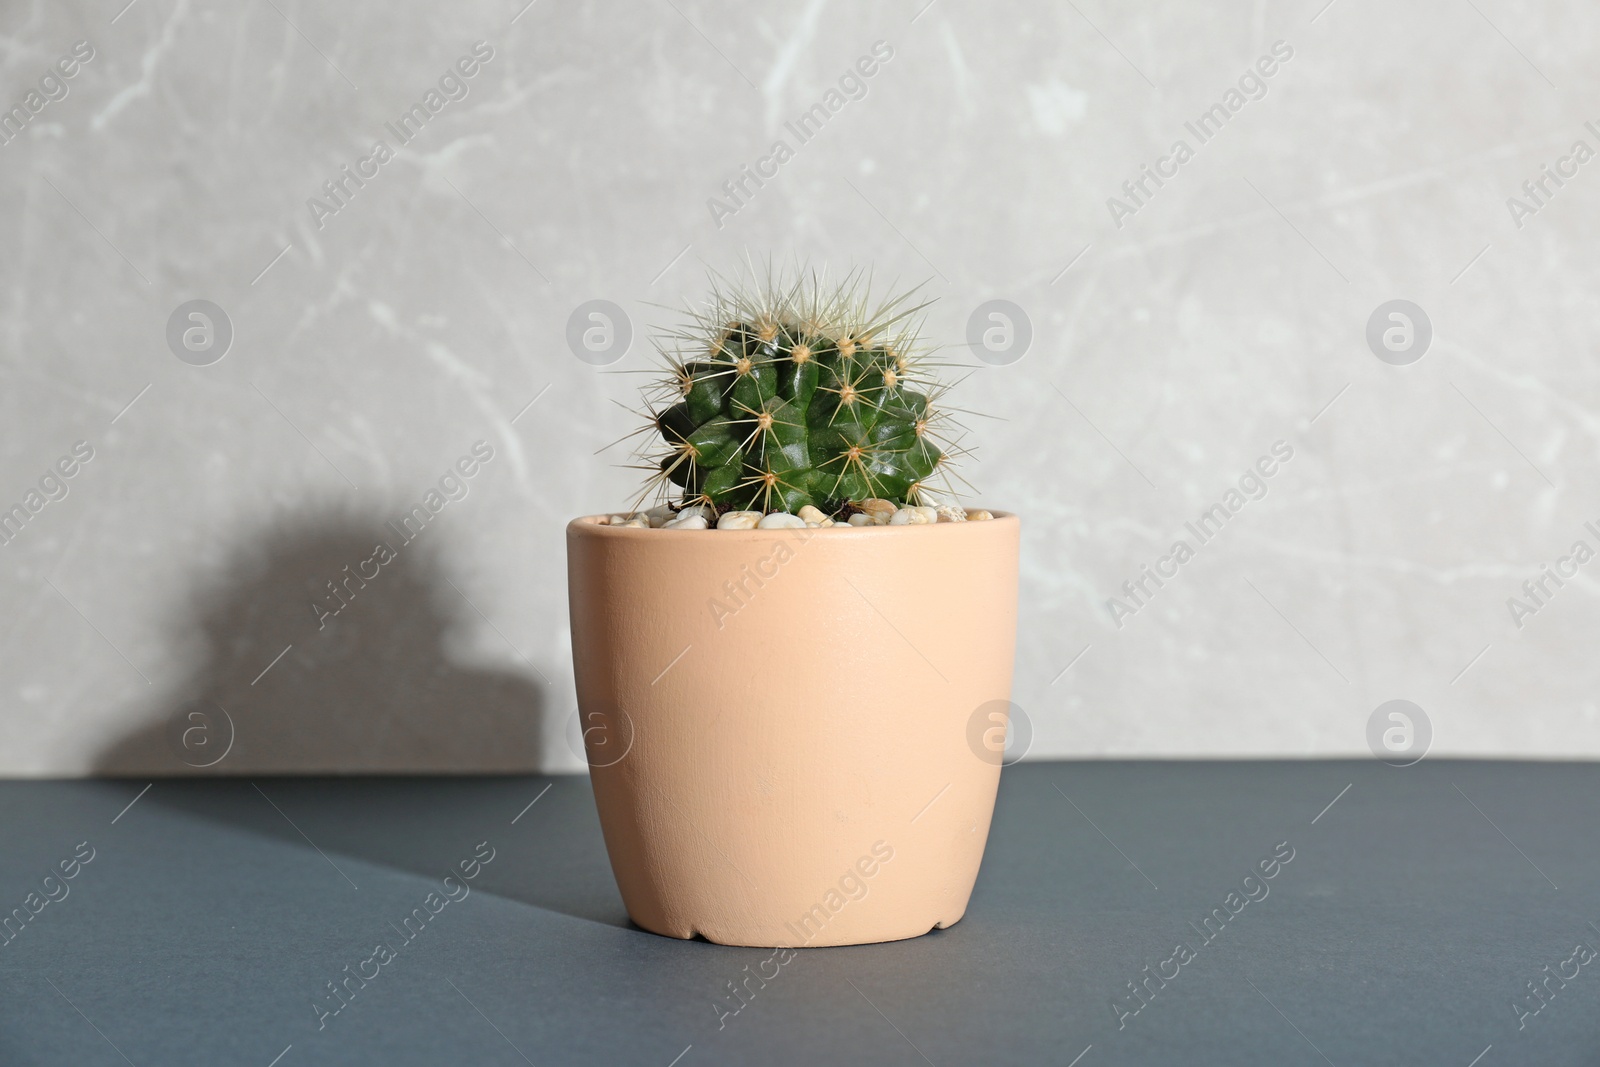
<point x="1414" y="913"/>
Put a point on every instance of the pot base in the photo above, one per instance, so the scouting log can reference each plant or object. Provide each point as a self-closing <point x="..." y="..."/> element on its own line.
<point x="732" y="940"/>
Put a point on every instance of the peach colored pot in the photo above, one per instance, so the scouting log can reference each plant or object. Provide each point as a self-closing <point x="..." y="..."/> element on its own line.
<point x="791" y="733"/>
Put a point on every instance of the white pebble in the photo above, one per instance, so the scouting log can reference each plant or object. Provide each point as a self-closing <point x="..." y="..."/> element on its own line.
<point x="638" y="522"/>
<point x="659" y="516"/>
<point x="860" y="519"/>
<point x="687" y="522"/>
<point x="739" y="520"/>
<point x="812" y="515"/>
<point x="911" y="516"/>
<point x="781" y="520"/>
<point x="978" y="516"/>
<point x="952" y="513"/>
<point x="878" y="511"/>
<point x="929" y="514"/>
<point x="696" y="509"/>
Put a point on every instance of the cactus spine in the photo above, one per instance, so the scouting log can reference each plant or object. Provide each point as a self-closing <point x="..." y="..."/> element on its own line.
<point x="797" y="392"/>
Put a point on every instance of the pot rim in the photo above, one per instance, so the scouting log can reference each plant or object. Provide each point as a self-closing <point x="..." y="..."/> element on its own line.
<point x="592" y="524"/>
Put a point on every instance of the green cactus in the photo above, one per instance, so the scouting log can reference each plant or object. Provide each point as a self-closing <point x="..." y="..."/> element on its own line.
<point x="787" y="394"/>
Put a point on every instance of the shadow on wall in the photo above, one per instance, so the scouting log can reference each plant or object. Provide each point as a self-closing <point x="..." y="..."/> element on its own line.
<point x="364" y="683"/>
<point x="368" y="690"/>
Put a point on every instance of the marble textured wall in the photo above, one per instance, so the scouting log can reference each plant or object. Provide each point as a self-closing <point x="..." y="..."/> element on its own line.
<point x="1177" y="337"/>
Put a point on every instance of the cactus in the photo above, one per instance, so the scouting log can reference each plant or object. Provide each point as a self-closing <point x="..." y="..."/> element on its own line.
<point x="795" y="392"/>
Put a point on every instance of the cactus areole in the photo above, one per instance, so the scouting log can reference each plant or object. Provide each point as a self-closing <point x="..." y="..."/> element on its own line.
<point x="798" y="393"/>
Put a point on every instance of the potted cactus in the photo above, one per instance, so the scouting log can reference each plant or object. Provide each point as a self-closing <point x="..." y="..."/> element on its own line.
<point x="780" y="666"/>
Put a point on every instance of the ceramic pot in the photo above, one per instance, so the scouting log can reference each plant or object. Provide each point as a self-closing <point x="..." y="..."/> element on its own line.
<point x="794" y="735"/>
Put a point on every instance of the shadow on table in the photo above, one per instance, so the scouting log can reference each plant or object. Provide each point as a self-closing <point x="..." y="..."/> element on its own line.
<point x="327" y="652"/>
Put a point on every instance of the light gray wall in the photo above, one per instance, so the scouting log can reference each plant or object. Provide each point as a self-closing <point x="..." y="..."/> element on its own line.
<point x="1227" y="313"/>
